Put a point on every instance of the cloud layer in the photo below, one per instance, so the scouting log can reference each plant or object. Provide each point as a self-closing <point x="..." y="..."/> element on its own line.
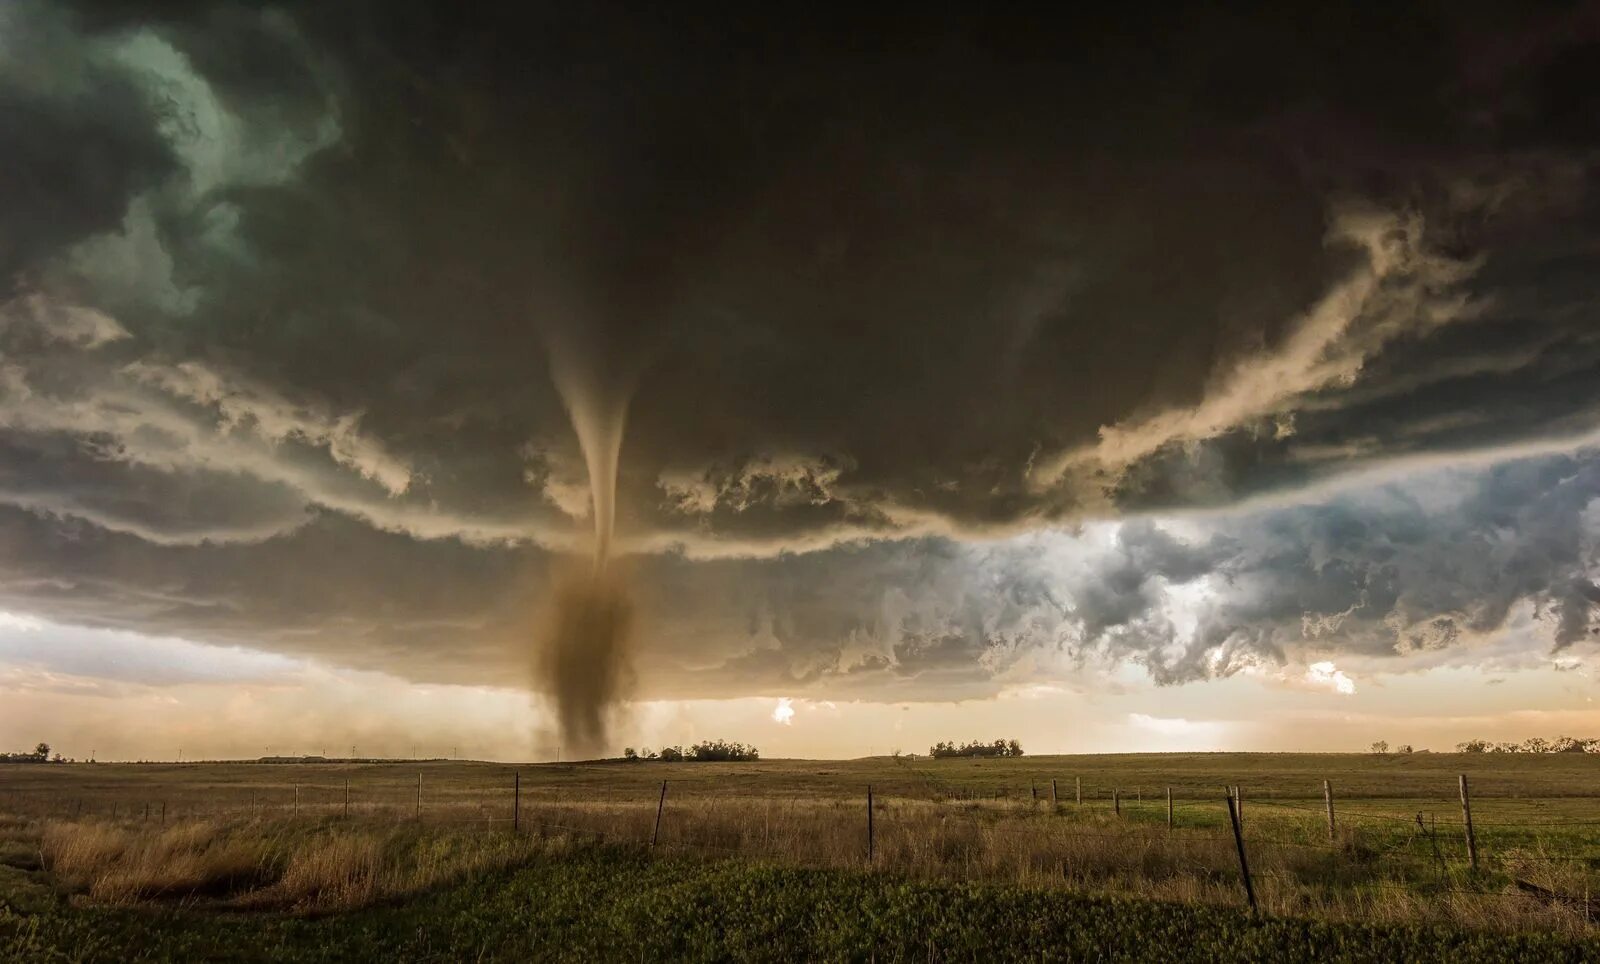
<point x="960" y="352"/>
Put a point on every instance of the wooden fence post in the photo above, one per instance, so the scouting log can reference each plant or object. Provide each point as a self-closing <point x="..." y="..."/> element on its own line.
<point x="297" y="798"/>
<point x="419" y="796"/>
<point x="1116" y="801"/>
<point x="1033" y="788"/>
<point x="1466" y="816"/>
<point x="1169" y="808"/>
<point x="347" y="797"/>
<point x="163" y="813"/>
<point x="661" y="803"/>
<point x="1238" y="842"/>
<point x="516" y="801"/>
<point x="1053" y="804"/>
<point x="1238" y="803"/>
<point x="1077" y="790"/>
<point x="869" y="823"/>
<point x="1327" y="797"/>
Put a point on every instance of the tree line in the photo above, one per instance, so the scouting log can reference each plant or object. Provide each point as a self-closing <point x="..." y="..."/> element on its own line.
<point x="706" y="751"/>
<point x="1005" y="748"/>
<point x="40" y="754"/>
<point x="1561" y="744"/>
<point x="1537" y="744"/>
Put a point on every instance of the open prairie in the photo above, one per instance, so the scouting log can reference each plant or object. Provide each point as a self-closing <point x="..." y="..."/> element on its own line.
<point x="277" y="847"/>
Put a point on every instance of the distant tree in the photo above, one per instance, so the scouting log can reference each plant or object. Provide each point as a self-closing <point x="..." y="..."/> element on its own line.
<point x="1014" y="748"/>
<point x="1507" y="748"/>
<point x="1473" y="746"/>
<point x="629" y="753"/>
<point x="1403" y="748"/>
<point x="42" y="751"/>
<point x="1566" y="744"/>
<point x="1536" y="744"/>
<point x="672" y="754"/>
<point x="1380" y="746"/>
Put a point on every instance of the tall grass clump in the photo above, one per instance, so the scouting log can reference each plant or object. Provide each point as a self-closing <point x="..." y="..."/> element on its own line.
<point x="116" y="865"/>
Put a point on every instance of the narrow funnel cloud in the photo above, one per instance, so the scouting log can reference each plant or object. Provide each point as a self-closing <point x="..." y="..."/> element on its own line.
<point x="599" y="418"/>
<point x="583" y="658"/>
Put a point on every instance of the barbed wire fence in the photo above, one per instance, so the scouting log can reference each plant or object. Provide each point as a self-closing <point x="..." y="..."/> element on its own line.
<point x="1350" y="849"/>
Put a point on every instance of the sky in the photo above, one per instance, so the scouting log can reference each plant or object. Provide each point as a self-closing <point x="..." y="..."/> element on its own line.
<point x="1110" y="382"/>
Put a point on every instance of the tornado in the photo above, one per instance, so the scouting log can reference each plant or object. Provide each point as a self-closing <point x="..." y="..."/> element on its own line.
<point x="582" y="661"/>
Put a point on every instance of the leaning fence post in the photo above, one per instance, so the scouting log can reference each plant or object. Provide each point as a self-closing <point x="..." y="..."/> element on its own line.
<point x="1327" y="797"/>
<point x="1238" y="841"/>
<point x="1169" y="808"/>
<point x="163" y="813"/>
<point x="659" y="805"/>
<point x="1238" y="803"/>
<point x="516" y="801"/>
<point x="1053" y="804"/>
<point x="869" y="823"/>
<point x="1466" y="816"/>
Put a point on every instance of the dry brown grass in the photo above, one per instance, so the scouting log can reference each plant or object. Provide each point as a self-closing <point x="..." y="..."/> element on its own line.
<point x="338" y="871"/>
<point x="119" y="865"/>
<point x="310" y="866"/>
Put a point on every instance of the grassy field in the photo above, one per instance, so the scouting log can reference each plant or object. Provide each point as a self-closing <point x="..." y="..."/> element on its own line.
<point x="599" y="903"/>
<point x="285" y="854"/>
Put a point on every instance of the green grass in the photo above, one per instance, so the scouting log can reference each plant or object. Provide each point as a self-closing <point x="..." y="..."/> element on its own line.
<point x="619" y="904"/>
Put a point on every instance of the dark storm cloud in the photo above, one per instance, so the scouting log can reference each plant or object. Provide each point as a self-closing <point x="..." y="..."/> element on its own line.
<point x="281" y="286"/>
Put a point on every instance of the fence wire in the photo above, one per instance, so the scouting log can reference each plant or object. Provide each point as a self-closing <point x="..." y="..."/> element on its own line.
<point x="1053" y="824"/>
